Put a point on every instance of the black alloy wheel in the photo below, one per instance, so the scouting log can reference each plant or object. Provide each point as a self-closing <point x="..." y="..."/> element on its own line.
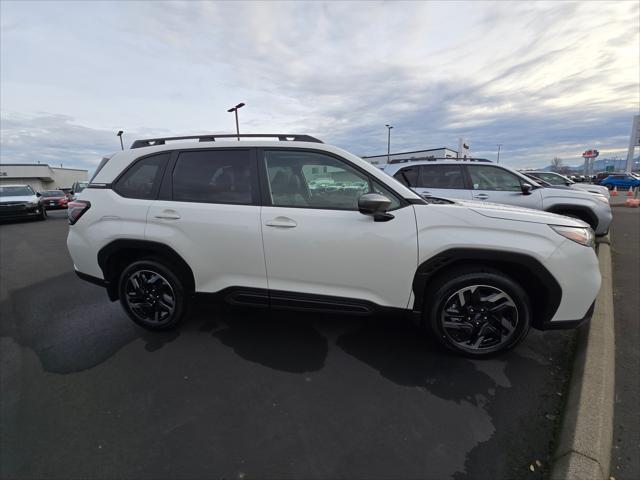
<point x="479" y="314"/>
<point x="152" y="295"/>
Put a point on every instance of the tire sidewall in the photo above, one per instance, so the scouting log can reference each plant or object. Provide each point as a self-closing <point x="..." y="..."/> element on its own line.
<point x="437" y="300"/>
<point x="175" y="282"/>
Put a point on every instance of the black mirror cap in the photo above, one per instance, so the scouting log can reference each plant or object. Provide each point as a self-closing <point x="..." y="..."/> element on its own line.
<point x="38" y="194"/>
<point x="526" y="188"/>
<point x="376" y="206"/>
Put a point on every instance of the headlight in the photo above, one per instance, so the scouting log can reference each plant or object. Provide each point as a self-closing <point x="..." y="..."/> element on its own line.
<point x="32" y="204"/>
<point x="581" y="235"/>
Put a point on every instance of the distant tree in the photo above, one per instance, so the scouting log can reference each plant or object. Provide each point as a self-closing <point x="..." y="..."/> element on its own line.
<point x="556" y="164"/>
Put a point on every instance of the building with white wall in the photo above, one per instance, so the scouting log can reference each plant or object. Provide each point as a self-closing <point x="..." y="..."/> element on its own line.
<point x="40" y="175"/>
<point x="443" y="152"/>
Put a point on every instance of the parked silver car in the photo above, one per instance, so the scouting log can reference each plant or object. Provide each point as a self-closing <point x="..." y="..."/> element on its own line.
<point x="488" y="182"/>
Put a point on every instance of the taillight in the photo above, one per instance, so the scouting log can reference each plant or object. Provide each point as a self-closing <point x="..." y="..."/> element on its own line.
<point x="76" y="209"/>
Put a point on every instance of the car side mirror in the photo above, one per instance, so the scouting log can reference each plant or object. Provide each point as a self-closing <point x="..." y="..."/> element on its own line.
<point x="526" y="188"/>
<point x="38" y="194"/>
<point x="376" y="206"/>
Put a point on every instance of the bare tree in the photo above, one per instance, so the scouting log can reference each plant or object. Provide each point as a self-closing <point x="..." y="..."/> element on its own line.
<point x="556" y="164"/>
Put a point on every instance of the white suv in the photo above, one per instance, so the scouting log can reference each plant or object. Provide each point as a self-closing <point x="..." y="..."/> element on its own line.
<point x="488" y="182"/>
<point x="300" y="224"/>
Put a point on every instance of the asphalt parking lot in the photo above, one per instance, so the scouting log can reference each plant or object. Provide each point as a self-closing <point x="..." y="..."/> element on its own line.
<point x="241" y="394"/>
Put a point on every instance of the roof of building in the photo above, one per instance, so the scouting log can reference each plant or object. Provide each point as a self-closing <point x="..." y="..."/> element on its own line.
<point x="40" y="165"/>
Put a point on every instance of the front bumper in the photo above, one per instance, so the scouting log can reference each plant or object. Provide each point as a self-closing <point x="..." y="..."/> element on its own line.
<point x="567" y="324"/>
<point x="10" y="212"/>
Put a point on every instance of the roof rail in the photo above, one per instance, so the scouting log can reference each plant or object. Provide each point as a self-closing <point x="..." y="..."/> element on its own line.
<point x="435" y="159"/>
<point x="283" y="137"/>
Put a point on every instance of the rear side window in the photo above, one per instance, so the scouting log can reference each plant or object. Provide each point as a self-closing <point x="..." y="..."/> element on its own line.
<point x="214" y="176"/>
<point x="142" y="179"/>
<point x="441" y="176"/>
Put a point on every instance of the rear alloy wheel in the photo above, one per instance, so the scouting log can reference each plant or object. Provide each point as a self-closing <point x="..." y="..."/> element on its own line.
<point x="479" y="314"/>
<point x="152" y="295"/>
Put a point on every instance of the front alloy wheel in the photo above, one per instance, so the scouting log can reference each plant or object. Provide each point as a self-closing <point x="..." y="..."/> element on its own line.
<point x="477" y="312"/>
<point x="479" y="318"/>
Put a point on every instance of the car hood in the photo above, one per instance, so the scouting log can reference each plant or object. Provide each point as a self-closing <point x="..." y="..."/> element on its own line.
<point x="521" y="214"/>
<point x="20" y="198"/>
<point x="592" y="188"/>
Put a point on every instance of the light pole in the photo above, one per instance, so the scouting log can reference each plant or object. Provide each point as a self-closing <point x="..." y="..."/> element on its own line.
<point x="498" y="160"/>
<point x="119" y="134"/>
<point x="389" y="127"/>
<point x="235" y="109"/>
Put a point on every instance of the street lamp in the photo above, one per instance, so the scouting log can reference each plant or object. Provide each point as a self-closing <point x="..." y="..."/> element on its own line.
<point x="389" y="127"/>
<point x="498" y="160"/>
<point x="235" y="109"/>
<point x="119" y="134"/>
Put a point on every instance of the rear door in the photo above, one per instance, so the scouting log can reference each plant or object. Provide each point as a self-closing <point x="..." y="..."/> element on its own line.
<point x="493" y="184"/>
<point x="444" y="181"/>
<point x="208" y="211"/>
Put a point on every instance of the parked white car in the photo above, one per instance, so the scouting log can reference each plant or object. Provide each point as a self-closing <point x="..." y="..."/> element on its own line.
<point x="162" y="222"/>
<point x="489" y="182"/>
<point x="20" y="201"/>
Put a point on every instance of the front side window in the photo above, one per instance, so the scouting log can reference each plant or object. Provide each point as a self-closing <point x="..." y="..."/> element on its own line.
<point x="142" y="179"/>
<point x="315" y="180"/>
<point x="441" y="176"/>
<point x="493" y="178"/>
<point x="213" y="176"/>
<point x="408" y="176"/>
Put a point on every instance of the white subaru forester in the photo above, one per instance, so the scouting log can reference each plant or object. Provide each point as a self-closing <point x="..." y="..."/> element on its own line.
<point x="299" y="224"/>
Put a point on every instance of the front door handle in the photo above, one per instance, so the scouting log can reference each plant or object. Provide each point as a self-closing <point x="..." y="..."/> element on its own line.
<point x="481" y="196"/>
<point x="168" y="215"/>
<point x="281" y="222"/>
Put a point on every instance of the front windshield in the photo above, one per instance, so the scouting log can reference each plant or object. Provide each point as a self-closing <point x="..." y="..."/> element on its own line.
<point x="18" y="191"/>
<point x="53" y="193"/>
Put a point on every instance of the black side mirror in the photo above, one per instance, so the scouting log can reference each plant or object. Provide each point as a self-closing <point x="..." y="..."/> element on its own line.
<point x="38" y="194"/>
<point x="376" y="206"/>
<point x="526" y="188"/>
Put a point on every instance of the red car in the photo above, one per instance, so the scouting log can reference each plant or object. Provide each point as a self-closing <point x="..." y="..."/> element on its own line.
<point x="53" y="199"/>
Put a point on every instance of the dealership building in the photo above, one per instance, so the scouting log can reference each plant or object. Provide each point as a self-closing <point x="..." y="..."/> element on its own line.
<point x="41" y="176"/>
<point x="432" y="153"/>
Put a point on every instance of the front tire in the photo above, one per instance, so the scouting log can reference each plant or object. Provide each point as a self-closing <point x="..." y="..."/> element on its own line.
<point x="478" y="312"/>
<point x="43" y="213"/>
<point x="153" y="296"/>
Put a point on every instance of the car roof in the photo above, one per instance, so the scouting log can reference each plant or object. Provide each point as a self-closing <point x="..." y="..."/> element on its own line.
<point x="121" y="160"/>
<point x="15" y="185"/>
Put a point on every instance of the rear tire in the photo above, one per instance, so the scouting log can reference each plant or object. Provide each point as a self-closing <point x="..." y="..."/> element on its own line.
<point x="153" y="295"/>
<point x="477" y="312"/>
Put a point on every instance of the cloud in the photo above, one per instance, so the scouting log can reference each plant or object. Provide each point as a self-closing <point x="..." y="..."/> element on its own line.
<point x="543" y="79"/>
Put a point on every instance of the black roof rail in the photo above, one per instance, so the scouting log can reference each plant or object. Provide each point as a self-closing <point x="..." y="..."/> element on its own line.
<point x="435" y="159"/>
<point x="283" y="137"/>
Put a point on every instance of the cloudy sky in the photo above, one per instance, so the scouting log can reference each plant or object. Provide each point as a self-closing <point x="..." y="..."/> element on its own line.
<point x="543" y="79"/>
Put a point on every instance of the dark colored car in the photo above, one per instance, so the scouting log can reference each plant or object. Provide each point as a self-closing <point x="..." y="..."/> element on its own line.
<point x="53" y="199"/>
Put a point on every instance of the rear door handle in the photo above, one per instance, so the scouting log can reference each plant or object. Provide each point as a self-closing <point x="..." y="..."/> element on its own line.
<point x="481" y="196"/>
<point x="281" y="222"/>
<point x="168" y="215"/>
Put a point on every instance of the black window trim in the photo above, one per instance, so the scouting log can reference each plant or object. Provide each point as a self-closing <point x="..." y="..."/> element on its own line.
<point x="166" y="191"/>
<point x="156" y="188"/>
<point x="266" y="192"/>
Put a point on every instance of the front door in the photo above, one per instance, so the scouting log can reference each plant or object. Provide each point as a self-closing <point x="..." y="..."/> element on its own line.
<point x="497" y="185"/>
<point x="316" y="243"/>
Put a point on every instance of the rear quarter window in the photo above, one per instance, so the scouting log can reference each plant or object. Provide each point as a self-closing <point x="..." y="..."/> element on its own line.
<point x="142" y="179"/>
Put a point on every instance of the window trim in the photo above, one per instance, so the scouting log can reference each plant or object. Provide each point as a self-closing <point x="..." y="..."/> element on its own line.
<point x="166" y="191"/>
<point x="266" y="191"/>
<point x="156" y="188"/>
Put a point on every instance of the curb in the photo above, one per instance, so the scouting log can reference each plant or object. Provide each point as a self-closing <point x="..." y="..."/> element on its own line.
<point x="586" y="435"/>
